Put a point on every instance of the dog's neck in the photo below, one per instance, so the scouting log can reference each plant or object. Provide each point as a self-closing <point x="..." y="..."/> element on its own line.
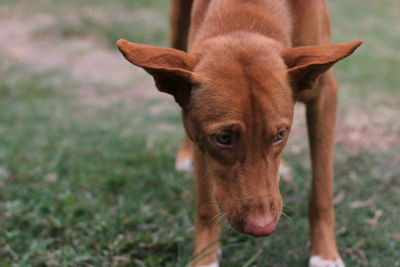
<point x="235" y="19"/>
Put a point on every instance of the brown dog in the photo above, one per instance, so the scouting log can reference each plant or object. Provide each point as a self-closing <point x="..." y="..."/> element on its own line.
<point x="247" y="64"/>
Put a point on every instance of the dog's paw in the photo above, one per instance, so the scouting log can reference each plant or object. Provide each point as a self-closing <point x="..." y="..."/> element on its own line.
<point x="184" y="164"/>
<point x="215" y="264"/>
<point x="316" y="261"/>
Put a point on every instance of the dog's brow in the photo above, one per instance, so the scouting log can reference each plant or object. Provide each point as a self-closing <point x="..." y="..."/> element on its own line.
<point x="215" y="127"/>
<point x="283" y="124"/>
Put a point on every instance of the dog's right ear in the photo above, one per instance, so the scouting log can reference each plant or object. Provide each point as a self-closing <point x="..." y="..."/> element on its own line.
<point x="170" y="68"/>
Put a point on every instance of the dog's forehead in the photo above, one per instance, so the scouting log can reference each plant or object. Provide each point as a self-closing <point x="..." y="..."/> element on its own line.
<point x="245" y="94"/>
<point x="242" y="84"/>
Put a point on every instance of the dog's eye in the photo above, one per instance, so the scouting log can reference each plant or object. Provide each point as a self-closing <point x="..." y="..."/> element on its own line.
<point x="279" y="137"/>
<point x="223" y="140"/>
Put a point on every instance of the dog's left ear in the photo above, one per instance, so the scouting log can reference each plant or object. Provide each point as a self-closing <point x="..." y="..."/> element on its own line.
<point x="170" y="68"/>
<point x="306" y="63"/>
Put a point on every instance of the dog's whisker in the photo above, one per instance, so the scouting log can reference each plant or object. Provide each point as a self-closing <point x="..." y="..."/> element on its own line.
<point x="287" y="207"/>
<point x="287" y="216"/>
<point x="230" y="230"/>
<point x="222" y="215"/>
<point x="211" y="203"/>
<point x="216" y="219"/>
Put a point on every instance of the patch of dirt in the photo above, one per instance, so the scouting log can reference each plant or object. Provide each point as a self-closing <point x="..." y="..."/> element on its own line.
<point x="102" y="74"/>
<point x="356" y="129"/>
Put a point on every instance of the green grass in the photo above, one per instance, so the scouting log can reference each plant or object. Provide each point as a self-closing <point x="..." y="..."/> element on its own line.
<point x="94" y="185"/>
<point x="78" y="180"/>
<point x="377" y="60"/>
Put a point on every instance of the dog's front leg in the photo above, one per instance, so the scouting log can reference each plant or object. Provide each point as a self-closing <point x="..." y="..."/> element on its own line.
<point x="207" y="217"/>
<point x="321" y="118"/>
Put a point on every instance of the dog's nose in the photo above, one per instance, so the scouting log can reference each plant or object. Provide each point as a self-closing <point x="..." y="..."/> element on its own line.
<point x="259" y="227"/>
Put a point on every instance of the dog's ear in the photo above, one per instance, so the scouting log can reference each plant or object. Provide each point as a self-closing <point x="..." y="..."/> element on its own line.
<point x="170" y="68"/>
<point x="306" y="63"/>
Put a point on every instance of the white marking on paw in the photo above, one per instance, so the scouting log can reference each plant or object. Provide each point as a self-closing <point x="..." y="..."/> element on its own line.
<point x="215" y="264"/>
<point x="184" y="164"/>
<point x="316" y="261"/>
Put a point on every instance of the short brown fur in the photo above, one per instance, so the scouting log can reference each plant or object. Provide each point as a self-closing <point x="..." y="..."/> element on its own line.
<point x="246" y="65"/>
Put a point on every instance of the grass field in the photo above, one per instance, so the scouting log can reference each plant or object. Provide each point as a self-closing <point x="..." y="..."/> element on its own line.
<point x="87" y="144"/>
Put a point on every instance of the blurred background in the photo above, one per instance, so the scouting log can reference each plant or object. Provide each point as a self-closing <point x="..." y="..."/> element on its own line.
<point x="87" y="144"/>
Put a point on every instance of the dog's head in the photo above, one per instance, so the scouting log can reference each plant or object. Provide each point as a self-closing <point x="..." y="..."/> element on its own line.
<point x="238" y="100"/>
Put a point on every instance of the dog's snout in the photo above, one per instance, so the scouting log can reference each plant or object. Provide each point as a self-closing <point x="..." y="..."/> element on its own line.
<point x="259" y="227"/>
